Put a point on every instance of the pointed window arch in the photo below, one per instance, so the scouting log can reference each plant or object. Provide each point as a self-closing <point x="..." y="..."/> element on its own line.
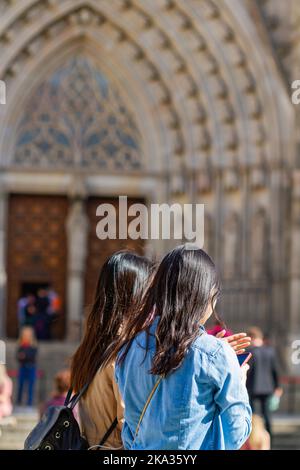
<point x="76" y="118"/>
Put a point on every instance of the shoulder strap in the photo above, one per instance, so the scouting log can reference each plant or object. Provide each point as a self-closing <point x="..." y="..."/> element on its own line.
<point x="108" y="432"/>
<point x="145" y="408"/>
<point x="68" y="397"/>
<point x="72" y="402"/>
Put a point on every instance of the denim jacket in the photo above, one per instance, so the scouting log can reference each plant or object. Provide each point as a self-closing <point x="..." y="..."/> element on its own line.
<point x="202" y="405"/>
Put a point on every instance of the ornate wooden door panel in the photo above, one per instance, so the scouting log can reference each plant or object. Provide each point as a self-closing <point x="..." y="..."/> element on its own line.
<point x="37" y="251"/>
<point x="99" y="250"/>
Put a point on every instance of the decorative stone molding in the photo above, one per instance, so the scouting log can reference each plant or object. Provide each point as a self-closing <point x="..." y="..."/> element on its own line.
<point x="231" y="180"/>
<point x="259" y="253"/>
<point x="231" y="245"/>
<point x="175" y="67"/>
<point x="258" y="178"/>
<point x="77" y="119"/>
<point x="204" y="182"/>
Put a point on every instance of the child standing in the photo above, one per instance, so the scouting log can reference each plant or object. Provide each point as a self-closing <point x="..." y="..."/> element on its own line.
<point x="26" y="356"/>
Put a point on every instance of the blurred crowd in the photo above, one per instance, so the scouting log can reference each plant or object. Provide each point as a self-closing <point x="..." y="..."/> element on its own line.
<point x="39" y="311"/>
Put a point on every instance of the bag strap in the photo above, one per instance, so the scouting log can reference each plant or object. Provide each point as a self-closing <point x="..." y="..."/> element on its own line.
<point x="72" y="402"/>
<point x="68" y="397"/>
<point x="145" y="409"/>
<point x="108" y="432"/>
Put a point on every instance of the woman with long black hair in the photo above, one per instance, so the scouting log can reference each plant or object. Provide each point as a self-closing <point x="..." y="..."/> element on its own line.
<point x="121" y="284"/>
<point x="182" y="388"/>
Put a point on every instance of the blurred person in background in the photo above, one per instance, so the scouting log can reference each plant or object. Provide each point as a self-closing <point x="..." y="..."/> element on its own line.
<point x="6" y="389"/>
<point x="43" y="320"/>
<point x="62" y="383"/>
<point x="263" y="376"/>
<point x="219" y="328"/>
<point x="26" y="356"/>
<point x="238" y="341"/>
<point x="29" y="311"/>
<point x="259" y="438"/>
<point x="54" y="308"/>
<point x="21" y="306"/>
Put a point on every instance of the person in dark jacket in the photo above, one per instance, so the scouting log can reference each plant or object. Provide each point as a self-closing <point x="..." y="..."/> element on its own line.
<point x="43" y="319"/>
<point x="30" y="312"/>
<point x="263" y="376"/>
<point x="26" y="356"/>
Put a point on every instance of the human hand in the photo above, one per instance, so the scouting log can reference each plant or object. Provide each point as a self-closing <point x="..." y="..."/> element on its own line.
<point x="278" y="392"/>
<point x="239" y="341"/>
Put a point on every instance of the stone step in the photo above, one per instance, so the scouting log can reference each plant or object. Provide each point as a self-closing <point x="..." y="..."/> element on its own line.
<point x="283" y="443"/>
<point x="10" y="446"/>
<point x="15" y="432"/>
<point x="286" y="432"/>
<point x="13" y="435"/>
<point x="20" y="425"/>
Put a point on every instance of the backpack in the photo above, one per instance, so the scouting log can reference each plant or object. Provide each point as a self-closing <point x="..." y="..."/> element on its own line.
<point x="59" y="430"/>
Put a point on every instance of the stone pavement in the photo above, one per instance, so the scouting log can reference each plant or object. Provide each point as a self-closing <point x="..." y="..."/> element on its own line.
<point x="286" y="432"/>
<point x="14" y="432"/>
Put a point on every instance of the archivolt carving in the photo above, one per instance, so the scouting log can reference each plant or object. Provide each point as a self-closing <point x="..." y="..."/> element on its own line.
<point x="77" y="119"/>
<point x="209" y="234"/>
<point x="202" y="81"/>
<point x="231" y="246"/>
<point x="259" y="244"/>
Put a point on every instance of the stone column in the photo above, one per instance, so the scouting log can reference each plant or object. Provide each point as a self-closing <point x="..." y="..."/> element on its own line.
<point x="294" y="318"/>
<point x="3" y="213"/>
<point x="77" y="233"/>
<point x="279" y="257"/>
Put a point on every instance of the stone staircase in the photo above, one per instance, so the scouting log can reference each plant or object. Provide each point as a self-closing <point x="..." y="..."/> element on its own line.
<point x="286" y="432"/>
<point x="14" y="432"/>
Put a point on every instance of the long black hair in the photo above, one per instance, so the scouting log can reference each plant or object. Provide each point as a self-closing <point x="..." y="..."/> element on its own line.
<point x="121" y="284"/>
<point x="185" y="285"/>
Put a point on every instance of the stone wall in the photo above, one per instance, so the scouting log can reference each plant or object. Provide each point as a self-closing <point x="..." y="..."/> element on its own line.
<point x="208" y="95"/>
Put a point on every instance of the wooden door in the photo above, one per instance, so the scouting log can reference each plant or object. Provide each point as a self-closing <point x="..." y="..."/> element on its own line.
<point x="99" y="250"/>
<point x="36" y="252"/>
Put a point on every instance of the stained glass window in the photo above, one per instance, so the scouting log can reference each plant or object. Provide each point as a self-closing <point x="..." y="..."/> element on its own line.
<point x="76" y="118"/>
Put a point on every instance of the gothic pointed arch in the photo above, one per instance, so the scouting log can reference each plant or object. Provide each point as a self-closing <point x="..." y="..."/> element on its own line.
<point x="76" y="119"/>
<point x="198" y="66"/>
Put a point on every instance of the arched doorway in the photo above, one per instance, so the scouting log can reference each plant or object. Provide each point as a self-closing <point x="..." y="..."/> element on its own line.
<point x="74" y="123"/>
<point x="37" y="253"/>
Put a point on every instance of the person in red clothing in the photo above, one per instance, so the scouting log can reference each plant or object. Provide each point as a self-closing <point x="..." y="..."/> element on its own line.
<point x="238" y="341"/>
<point x="219" y="328"/>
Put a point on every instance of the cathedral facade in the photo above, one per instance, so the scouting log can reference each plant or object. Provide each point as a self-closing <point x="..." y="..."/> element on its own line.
<point x="164" y="101"/>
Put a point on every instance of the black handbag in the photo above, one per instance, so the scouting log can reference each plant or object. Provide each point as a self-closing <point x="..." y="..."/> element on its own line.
<point x="59" y="430"/>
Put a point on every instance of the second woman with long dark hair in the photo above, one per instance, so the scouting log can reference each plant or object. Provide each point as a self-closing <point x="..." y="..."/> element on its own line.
<point x="119" y="291"/>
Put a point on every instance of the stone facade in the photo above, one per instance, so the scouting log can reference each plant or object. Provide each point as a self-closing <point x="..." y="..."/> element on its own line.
<point x="198" y="92"/>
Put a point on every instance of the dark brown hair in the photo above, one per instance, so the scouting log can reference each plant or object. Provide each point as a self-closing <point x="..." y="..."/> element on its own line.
<point x="62" y="381"/>
<point x="184" y="285"/>
<point x="119" y="291"/>
<point x="255" y="332"/>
